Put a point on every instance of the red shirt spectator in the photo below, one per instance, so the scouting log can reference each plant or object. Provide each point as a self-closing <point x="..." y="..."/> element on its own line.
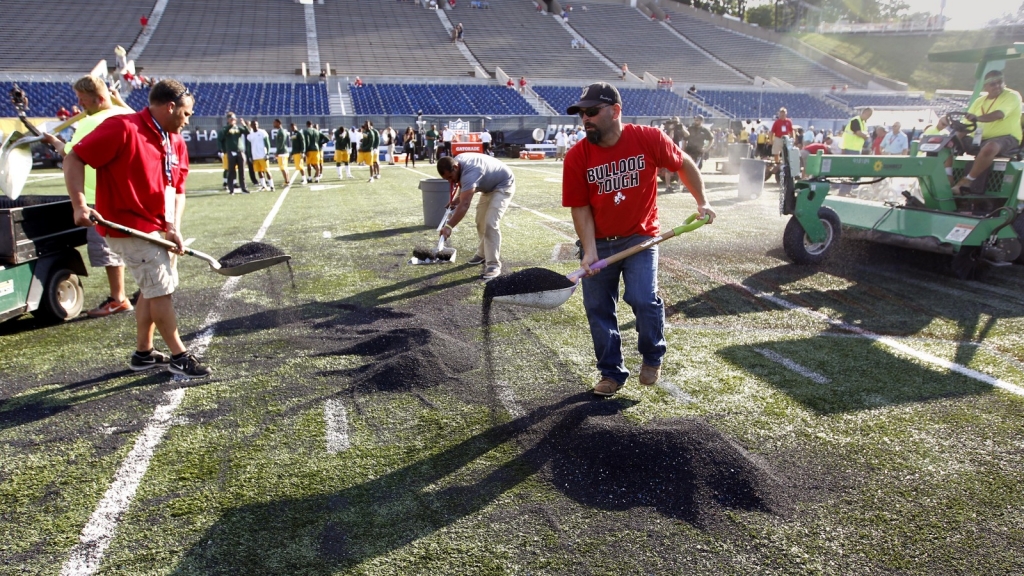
<point x="782" y="127"/>
<point x="63" y="114"/>
<point x="522" y="83"/>
<point x="129" y="175"/>
<point x="510" y="83"/>
<point x="358" y="83"/>
<point x="144" y="21"/>
<point x="813" y="149"/>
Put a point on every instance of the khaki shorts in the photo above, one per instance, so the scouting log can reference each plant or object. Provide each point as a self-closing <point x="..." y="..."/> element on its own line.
<point x="259" y="165"/>
<point x="1005" y="143"/>
<point x="100" y="254"/>
<point x="154" y="268"/>
<point x="777" y="145"/>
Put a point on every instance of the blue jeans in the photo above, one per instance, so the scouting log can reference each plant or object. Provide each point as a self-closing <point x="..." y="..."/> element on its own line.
<point x="601" y="295"/>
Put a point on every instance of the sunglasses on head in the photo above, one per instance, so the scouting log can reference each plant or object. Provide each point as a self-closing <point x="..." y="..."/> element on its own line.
<point x="592" y="111"/>
<point x="182" y="94"/>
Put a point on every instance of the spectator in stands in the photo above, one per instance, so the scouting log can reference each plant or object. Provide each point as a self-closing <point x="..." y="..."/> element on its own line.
<point x="140" y="160"/>
<point x="574" y="43"/>
<point x="100" y="104"/>
<point x="485" y="139"/>
<point x="895" y="143"/>
<point x="625" y="70"/>
<point x="298" y="141"/>
<point x="699" y="141"/>
<point x="854" y="134"/>
<point x="358" y="82"/>
<point x="144" y="21"/>
<point x="510" y="83"/>
<point x="565" y="16"/>
<point x="431" y="137"/>
<point x="231" y="143"/>
<point x="459" y="31"/>
<point x="323" y="75"/>
<point x="522" y="84"/>
<point x="451" y="3"/>
<point x="342" y="143"/>
<point x="473" y="173"/>
<point x="609" y="182"/>
<point x="259" y="143"/>
<point x="63" y="114"/>
<point x="781" y="128"/>
<point x="281" y="138"/>
<point x="389" y="138"/>
<point x="997" y="112"/>
<point x="561" y="144"/>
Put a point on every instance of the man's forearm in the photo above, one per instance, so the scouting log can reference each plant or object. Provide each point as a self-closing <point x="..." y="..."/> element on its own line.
<point x="74" y="179"/>
<point x="583" y="223"/>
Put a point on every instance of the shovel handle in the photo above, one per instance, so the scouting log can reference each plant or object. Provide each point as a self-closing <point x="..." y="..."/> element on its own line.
<point x="154" y="240"/>
<point x="692" y="222"/>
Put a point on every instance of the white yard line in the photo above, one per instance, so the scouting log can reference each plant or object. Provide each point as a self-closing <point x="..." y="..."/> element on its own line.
<point x="96" y="536"/>
<point x="884" y="340"/>
<point x="508" y="399"/>
<point x="675" y="392"/>
<point x="801" y="370"/>
<point x="337" y="426"/>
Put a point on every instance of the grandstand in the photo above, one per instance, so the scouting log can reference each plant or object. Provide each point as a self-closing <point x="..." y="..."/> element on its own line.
<point x="752" y="104"/>
<point x="636" y="101"/>
<point x="440" y="99"/>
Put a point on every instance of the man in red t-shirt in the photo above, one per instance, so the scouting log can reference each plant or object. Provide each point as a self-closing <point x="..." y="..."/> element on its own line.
<point x="782" y="127"/>
<point x="610" y="182"/>
<point x="141" y="165"/>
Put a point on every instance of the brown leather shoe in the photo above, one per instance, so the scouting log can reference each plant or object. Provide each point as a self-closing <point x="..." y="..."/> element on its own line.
<point x="649" y="374"/>
<point x="606" y="387"/>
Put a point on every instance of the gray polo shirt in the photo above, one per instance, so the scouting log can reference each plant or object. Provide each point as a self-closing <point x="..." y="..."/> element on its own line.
<point x="484" y="173"/>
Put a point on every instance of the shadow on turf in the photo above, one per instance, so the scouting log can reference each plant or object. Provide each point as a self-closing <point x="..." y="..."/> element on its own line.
<point x="386" y="233"/>
<point x="586" y="449"/>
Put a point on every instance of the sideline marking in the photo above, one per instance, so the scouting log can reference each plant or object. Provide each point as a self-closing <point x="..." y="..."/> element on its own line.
<point x="675" y="392"/>
<point x="337" y="426"/>
<point x="86" y="556"/>
<point x="508" y="398"/>
<point x="801" y="370"/>
<point x="884" y="340"/>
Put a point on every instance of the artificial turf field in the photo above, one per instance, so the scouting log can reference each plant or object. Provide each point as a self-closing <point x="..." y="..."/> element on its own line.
<point x="362" y="420"/>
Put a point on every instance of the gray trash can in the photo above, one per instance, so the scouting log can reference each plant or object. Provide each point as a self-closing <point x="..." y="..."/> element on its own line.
<point x="737" y="152"/>
<point x="436" y="192"/>
<point x="751" y="178"/>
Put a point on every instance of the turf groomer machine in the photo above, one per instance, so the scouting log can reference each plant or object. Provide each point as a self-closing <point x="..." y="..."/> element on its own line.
<point x="978" y="229"/>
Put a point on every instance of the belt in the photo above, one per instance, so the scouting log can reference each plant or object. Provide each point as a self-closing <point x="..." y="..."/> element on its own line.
<point x="610" y="238"/>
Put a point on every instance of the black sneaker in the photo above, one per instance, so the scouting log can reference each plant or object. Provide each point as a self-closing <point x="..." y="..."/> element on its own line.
<point x="188" y="366"/>
<point x="154" y="359"/>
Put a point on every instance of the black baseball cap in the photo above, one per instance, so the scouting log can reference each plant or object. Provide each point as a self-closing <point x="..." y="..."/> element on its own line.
<point x="594" y="95"/>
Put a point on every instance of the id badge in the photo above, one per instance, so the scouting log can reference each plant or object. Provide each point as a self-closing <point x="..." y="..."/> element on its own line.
<point x="169" y="194"/>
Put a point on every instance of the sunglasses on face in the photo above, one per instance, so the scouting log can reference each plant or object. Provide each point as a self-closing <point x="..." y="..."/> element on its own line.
<point x="592" y="111"/>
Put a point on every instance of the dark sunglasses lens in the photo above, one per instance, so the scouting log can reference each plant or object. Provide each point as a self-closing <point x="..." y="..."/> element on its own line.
<point x="592" y="111"/>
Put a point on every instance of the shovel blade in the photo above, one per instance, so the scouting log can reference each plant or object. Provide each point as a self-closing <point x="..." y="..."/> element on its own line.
<point x="253" y="266"/>
<point x="545" y="300"/>
<point x="15" y="166"/>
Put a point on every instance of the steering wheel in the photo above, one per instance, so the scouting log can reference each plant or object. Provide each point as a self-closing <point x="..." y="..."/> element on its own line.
<point x="957" y="121"/>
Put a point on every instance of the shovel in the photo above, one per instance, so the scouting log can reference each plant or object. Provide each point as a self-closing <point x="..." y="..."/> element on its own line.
<point x="548" y="299"/>
<point x="215" y="265"/>
<point x="16" y="156"/>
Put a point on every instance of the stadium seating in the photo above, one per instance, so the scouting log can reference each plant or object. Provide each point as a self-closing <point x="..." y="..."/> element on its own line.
<point x="890" y="100"/>
<point x="753" y="56"/>
<point x="65" y="37"/>
<point x="359" y="38"/>
<point x="636" y="101"/>
<point x="229" y="37"/>
<point x="747" y="104"/>
<point x="523" y="42"/>
<point x="480" y="99"/>
<point x="627" y="36"/>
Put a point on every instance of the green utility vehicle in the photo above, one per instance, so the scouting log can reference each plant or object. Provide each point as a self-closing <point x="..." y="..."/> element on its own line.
<point x="39" y="261"/>
<point x="978" y="229"/>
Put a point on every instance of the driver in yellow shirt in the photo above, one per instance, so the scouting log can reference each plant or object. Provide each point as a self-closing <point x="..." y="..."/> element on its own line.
<point x="997" y="113"/>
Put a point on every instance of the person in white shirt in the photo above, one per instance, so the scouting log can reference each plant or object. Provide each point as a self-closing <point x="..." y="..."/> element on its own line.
<point x="819" y="137"/>
<point x="259" y="140"/>
<point x="561" y="143"/>
<point x="388" y="138"/>
<point x="895" y="143"/>
<point x="446" y="136"/>
<point x="837" y="143"/>
<point x="485" y="139"/>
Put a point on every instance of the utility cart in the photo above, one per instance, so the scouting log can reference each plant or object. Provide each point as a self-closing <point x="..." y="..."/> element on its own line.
<point x="39" y="263"/>
<point x="979" y="228"/>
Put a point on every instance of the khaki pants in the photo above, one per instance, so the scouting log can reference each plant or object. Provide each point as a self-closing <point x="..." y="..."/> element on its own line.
<point x="490" y="207"/>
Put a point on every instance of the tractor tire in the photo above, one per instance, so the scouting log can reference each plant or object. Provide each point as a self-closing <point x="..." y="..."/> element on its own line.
<point x="1018" y="227"/>
<point x="801" y="250"/>
<point x="63" y="298"/>
<point x="967" y="264"/>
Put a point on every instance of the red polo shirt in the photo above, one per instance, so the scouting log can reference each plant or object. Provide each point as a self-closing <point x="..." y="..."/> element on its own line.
<point x="782" y="127"/>
<point x="128" y="154"/>
<point x="620" y="183"/>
